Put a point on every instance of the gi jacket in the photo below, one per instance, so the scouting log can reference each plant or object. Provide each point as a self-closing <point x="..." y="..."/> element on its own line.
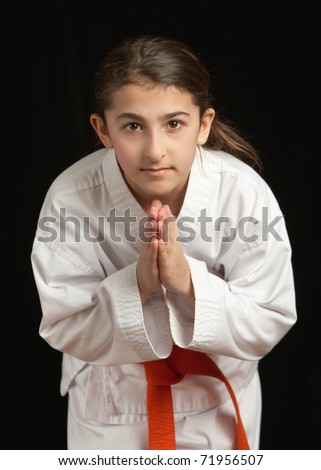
<point x="84" y="260"/>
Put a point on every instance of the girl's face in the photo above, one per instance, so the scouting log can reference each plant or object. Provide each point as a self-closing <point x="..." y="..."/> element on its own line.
<point x="154" y="131"/>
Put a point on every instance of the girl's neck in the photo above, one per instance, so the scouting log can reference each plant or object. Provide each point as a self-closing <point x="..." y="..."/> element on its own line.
<point x="174" y="201"/>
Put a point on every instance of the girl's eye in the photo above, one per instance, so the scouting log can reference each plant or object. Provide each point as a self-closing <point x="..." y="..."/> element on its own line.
<point x="133" y="126"/>
<point x="174" y="124"/>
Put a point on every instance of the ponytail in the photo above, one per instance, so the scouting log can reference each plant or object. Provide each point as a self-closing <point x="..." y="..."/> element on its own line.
<point x="224" y="137"/>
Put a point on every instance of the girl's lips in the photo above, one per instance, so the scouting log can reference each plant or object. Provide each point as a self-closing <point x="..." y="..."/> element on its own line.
<point x="157" y="171"/>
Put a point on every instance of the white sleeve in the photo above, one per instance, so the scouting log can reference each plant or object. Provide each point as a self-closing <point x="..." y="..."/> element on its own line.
<point x="247" y="314"/>
<point x="100" y="321"/>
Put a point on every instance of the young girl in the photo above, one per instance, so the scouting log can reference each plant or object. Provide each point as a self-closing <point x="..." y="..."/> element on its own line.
<point x="164" y="252"/>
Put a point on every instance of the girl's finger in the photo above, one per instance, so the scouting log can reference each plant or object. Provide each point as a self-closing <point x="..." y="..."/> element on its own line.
<point x="154" y="209"/>
<point x="162" y="252"/>
<point x="153" y="250"/>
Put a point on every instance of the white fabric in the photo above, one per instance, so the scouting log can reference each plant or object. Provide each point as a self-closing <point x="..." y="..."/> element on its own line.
<point x="244" y="289"/>
<point x="210" y="429"/>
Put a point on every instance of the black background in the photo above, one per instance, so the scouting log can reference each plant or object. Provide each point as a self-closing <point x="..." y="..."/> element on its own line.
<point x="265" y="61"/>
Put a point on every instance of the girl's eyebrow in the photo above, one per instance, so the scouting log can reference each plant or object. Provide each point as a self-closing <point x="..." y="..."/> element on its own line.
<point x="141" y="118"/>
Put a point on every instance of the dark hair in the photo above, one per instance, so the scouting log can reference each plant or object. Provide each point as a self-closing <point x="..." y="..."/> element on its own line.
<point x="168" y="62"/>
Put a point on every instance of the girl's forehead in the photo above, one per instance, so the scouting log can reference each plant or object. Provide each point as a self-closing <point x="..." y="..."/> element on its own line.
<point x="147" y="91"/>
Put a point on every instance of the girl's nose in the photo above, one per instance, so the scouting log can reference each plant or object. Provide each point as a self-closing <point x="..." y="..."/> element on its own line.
<point x="154" y="148"/>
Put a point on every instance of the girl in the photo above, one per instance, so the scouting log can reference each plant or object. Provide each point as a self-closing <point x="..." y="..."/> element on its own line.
<point x="166" y="241"/>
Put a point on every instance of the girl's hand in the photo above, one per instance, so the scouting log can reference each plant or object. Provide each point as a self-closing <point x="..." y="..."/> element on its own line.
<point x="174" y="272"/>
<point x="162" y="259"/>
<point x="147" y="267"/>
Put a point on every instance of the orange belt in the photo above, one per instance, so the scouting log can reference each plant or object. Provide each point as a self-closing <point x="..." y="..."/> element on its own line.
<point x="160" y="375"/>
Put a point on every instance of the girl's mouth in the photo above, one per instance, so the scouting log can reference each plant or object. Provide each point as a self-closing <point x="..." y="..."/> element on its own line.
<point x="157" y="171"/>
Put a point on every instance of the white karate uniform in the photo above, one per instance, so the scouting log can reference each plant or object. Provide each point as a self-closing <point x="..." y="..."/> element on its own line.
<point x="84" y="261"/>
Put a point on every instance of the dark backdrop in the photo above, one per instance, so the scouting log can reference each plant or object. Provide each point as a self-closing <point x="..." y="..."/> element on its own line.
<point x="265" y="58"/>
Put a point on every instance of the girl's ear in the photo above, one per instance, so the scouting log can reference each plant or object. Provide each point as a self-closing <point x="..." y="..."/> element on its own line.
<point x="205" y="127"/>
<point x="101" y="129"/>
